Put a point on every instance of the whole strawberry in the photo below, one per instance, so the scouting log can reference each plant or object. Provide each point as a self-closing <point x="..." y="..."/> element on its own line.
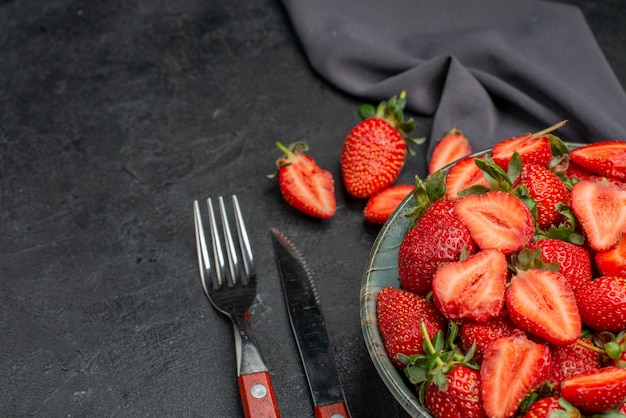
<point x="602" y="303"/>
<point x="459" y="398"/>
<point x="574" y="261"/>
<point x="399" y="314"/>
<point x="375" y="150"/>
<point x="483" y="333"/>
<point x="571" y="360"/>
<point x="544" y="408"/>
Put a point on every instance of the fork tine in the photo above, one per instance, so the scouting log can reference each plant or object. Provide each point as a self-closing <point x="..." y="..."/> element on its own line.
<point x="231" y="252"/>
<point x="244" y="242"/>
<point x="216" y="244"/>
<point x="204" y="262"/>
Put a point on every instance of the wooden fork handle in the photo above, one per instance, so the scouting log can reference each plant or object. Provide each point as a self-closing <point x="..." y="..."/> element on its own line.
<point x="257" y="395"/>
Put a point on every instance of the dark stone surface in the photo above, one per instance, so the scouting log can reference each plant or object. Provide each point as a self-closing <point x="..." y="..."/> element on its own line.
<point x="114" y="116"/>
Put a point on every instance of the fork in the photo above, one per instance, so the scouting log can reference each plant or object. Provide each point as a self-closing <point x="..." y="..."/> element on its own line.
<point x="230" y="285"/>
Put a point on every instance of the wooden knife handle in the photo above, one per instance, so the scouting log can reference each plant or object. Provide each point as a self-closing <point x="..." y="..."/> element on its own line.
<point x="257" y="395"/>
<point x="332" y="410"/>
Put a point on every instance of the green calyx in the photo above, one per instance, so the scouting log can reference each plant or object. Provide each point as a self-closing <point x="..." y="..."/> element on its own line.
<point x="426" y="192"/>
<point x="289" y="152"/>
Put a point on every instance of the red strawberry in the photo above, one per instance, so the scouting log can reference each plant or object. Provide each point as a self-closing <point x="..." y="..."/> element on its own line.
<point x="437" y="237"/>
<point x="606" y="158"/>
<point x="547" y="190"/>
<point x="574" y="261"/>
<point x="597" y="391"/>
<point x="452" y="146"/>
<point x="460" y="398"/>
<point x="463" y="175"/>
<point x="541" y="303"/>
<point x="512" y="368"/>
<point x="571" y="360"/>
<point x="484" y="333"/>
<point x="472" y="288"/>
<point x="600" y="207"/>
<point x="612" y="262"/>
<point x="496" y="219"/>
<point x="602" y="303"/>
<point x="575" y="171"/>
<point x="399" y="314"/>
<point x="303" y="184"/>
<point x="380" y="206"/>
<point x="374" y="151"/>
<point x="532" y="148"/>
<point x="544" y="407"/>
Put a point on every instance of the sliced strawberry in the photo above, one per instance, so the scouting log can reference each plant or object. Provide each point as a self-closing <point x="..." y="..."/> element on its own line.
<point x="451" y="147"/>
<point x="606" y="158"/>
<point x="600" y="207"/>
<point x="541" y="303"/>
<point x="496" y="219"/>
<point x="380" y="206"/>
<point x="597" y="391"/>
<point x="612" y="262"/>
<point x="472" y="288"/>
<point x="484" y="333"/>
<point x="303" y="184"/>
<point x="512" y="368"/>
<point x="602" y="303"/>
<point x="463" y="175"/>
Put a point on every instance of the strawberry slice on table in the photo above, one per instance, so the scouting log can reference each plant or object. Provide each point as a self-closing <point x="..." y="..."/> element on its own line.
<point x="512" y="368"/>
<point x="606" y="158"/>
<point x="463" y="175"/>
<point x="600" y="207"/>
<point x="472" y="288"/>
<point x="380" y="206"/>
<point x="375" y="150"/>
<point x="399" y="314"/>
<point x="496" y="219"/>
<point x="602" y="303"/>
<point x="542" y="303"/>
<point x="303" y="184"/>
<point x="451" y="147"/>
<point x="612" y="262"/>
<point x="597" y="391"/>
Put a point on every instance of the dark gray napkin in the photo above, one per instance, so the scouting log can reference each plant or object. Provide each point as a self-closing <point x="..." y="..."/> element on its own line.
<point x="492" y="68"/>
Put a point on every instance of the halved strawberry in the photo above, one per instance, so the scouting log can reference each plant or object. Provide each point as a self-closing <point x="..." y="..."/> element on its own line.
<point x="399" y="314"/>
<point x="472" y="288"/>
<point x="597" y="391"/>
<point x="496" y="219"/>
<point x="512" y="368"/>
<point x="606" y="158"/>
<point x="380" y="206"/>
<point x="463" y="175"/>
<point x="612" y="261"/>
<point x="602" y="303"/>
<point x="303" y="184"/>
<point x="541" y="303"/>
<point x="452" y="146"/>
<point x="600" y="207"/>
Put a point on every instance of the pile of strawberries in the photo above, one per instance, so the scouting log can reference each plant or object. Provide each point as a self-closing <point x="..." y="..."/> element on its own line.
<point x="512" y="297"/>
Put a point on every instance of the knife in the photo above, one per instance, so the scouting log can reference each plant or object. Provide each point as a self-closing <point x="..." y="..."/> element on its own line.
<point x="307" y="322"/>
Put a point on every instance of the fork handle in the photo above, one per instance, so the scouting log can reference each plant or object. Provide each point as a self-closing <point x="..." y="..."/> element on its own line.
<point x="257" y="395"/>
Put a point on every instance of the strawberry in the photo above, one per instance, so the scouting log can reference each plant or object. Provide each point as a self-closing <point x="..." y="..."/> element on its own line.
<point x="460" y="398"/>
<point x="512" y="368"/>
<point x="612" y="262"/>
<point x="484" y="333"/>
<point x="573" y="261"/>
<point x="606" y="158"/>
<point x="496" y="219"/>
<point x="532" y="148"/>
<point x="380" y="206"/>
<point x="375" y="150"/>
<point x="596" y="391"/>
<point x="547" y="190"/>
<point x="437" y="237"/>
<point x="600" y="207"/>
<point x="472" y="288"/>
<point x="544" y="408"/>
<point x="602" y="303"/>
<point x="462" y="175"/>
<point x="451" y="147"/>
<point x="571" y="360"/>
<point x="399" y="314"/>
<point x="303" y="184"/>
<point x="541" y="303"/>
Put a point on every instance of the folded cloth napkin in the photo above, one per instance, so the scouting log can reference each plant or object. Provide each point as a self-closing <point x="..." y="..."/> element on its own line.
<point x="492" y="68"/>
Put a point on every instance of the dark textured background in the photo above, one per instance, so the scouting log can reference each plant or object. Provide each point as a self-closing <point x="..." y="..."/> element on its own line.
<point x="114" y="116"/>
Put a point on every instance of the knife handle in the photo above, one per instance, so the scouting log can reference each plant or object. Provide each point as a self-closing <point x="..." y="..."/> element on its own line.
<point x="257" y="395"/>
<point x="332" y="410"/>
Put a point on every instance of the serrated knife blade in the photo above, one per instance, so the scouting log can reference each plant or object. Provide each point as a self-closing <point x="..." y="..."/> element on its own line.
<point x="309" y="328"/>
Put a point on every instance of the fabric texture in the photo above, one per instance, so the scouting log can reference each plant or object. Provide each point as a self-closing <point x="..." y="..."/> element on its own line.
<point x="492" y="68"/>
